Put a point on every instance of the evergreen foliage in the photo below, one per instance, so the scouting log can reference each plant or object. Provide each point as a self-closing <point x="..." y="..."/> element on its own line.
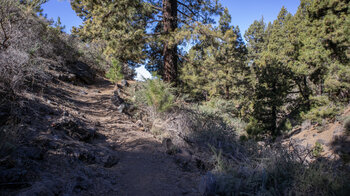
<point x="114" y="73"/>
<point x="321" y="109"/>
<point x="137" y="30"/>
<point x="33" y="6"/>
<point x="273" y="77"/>
<point x="159" y="95"/>
<point x="122" y="24"/>
<point x="216" y="66"/>
<point x="58" y="25"/>
<point x="307" y="55"/>
<point x="295" y="68"/>
<point x="317" y="150"/>
<point x="274" y="80"/>
<point x="174" y="21"/>
<point x="155" y="93"/>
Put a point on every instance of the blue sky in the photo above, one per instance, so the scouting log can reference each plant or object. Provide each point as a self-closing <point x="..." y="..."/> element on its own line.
<point x="243" y="13"/>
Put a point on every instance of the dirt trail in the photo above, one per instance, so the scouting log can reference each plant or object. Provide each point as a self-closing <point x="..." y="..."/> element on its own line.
<point x="143" y="167"/>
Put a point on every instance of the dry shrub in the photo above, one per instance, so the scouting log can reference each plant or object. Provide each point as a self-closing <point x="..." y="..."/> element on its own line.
<point x="246" y="168"/>
<point x="21" y="38"/>
<point x="275" y="170"/>
<point x="186" y="127"/>
<point x="29" y="46"/>
<point x="30" y="51"/>
<point x="179" y="121"/>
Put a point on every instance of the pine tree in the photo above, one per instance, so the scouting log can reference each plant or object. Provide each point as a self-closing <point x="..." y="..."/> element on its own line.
<point x="58" y="25"/>
<point x="273" y="76"/>
<point x="329" y="21"/>
<point x="120" y="24"/>
<point x="320" y="63"/>
<point x="216" y="64"/>
<point x="199" y="68"/>
<point x="33" y="5"/>
<point x="173" y="20"/>
<point x="308" y="54"/>
<point x="132" y="27"/>
<point x="296" y="29"/>
<point x="257" y="40"/>
<point x="231" y="58"/>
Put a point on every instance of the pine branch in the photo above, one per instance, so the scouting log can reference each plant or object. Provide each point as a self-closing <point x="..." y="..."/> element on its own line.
<point x="156" y="8"/>
<point x="185" y="14"/>
<point x="186" y="6"/>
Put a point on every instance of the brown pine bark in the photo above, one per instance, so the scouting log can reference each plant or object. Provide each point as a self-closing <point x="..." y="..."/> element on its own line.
<point x="169" y="51"/>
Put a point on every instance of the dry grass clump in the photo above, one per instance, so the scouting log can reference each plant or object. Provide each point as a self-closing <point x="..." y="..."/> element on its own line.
<point x="169" y="116"/>
<point x="273" y="170"/>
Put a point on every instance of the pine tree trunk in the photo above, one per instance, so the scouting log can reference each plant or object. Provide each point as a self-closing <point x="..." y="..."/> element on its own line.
<point x="227" y="92"/>
<point x="169" y="51"/>
<point x="227" y="88"/>
<point x="274" y="113"/>
<point x="307" y="94"/>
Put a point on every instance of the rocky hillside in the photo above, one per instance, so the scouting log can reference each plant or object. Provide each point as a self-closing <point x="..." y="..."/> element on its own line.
<point x="332" y="138"/>
<point x="64" y="129"/>
<point x="78" y="139"/>
<point x="67" y="130"/>
<point x="74" y="141"/>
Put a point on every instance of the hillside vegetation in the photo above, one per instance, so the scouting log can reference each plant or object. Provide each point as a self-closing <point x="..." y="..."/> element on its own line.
<point x="266" y="116"/>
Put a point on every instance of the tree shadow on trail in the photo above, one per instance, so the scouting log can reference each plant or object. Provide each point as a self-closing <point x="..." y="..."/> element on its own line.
<point x="56" y="152"/>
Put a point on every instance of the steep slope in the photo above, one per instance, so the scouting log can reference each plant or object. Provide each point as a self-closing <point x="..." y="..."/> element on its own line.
<point x="332" y="137"/>
<point x="77" y="143"/>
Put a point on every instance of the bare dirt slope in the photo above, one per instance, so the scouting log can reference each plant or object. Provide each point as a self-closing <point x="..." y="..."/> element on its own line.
<point x="144" y="167"/>
<point x="81" y="145"/>
<point x="332" y="137"/>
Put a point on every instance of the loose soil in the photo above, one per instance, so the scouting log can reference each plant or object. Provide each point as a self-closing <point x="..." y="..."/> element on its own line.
<point x="119" y="160"/>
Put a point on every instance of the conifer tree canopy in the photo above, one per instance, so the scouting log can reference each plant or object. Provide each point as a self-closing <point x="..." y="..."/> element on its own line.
<point x="216" y="65"/>
<point x="308" y="56"/>
<point x="133" y="27"/>
<point x="288" y="68"/>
